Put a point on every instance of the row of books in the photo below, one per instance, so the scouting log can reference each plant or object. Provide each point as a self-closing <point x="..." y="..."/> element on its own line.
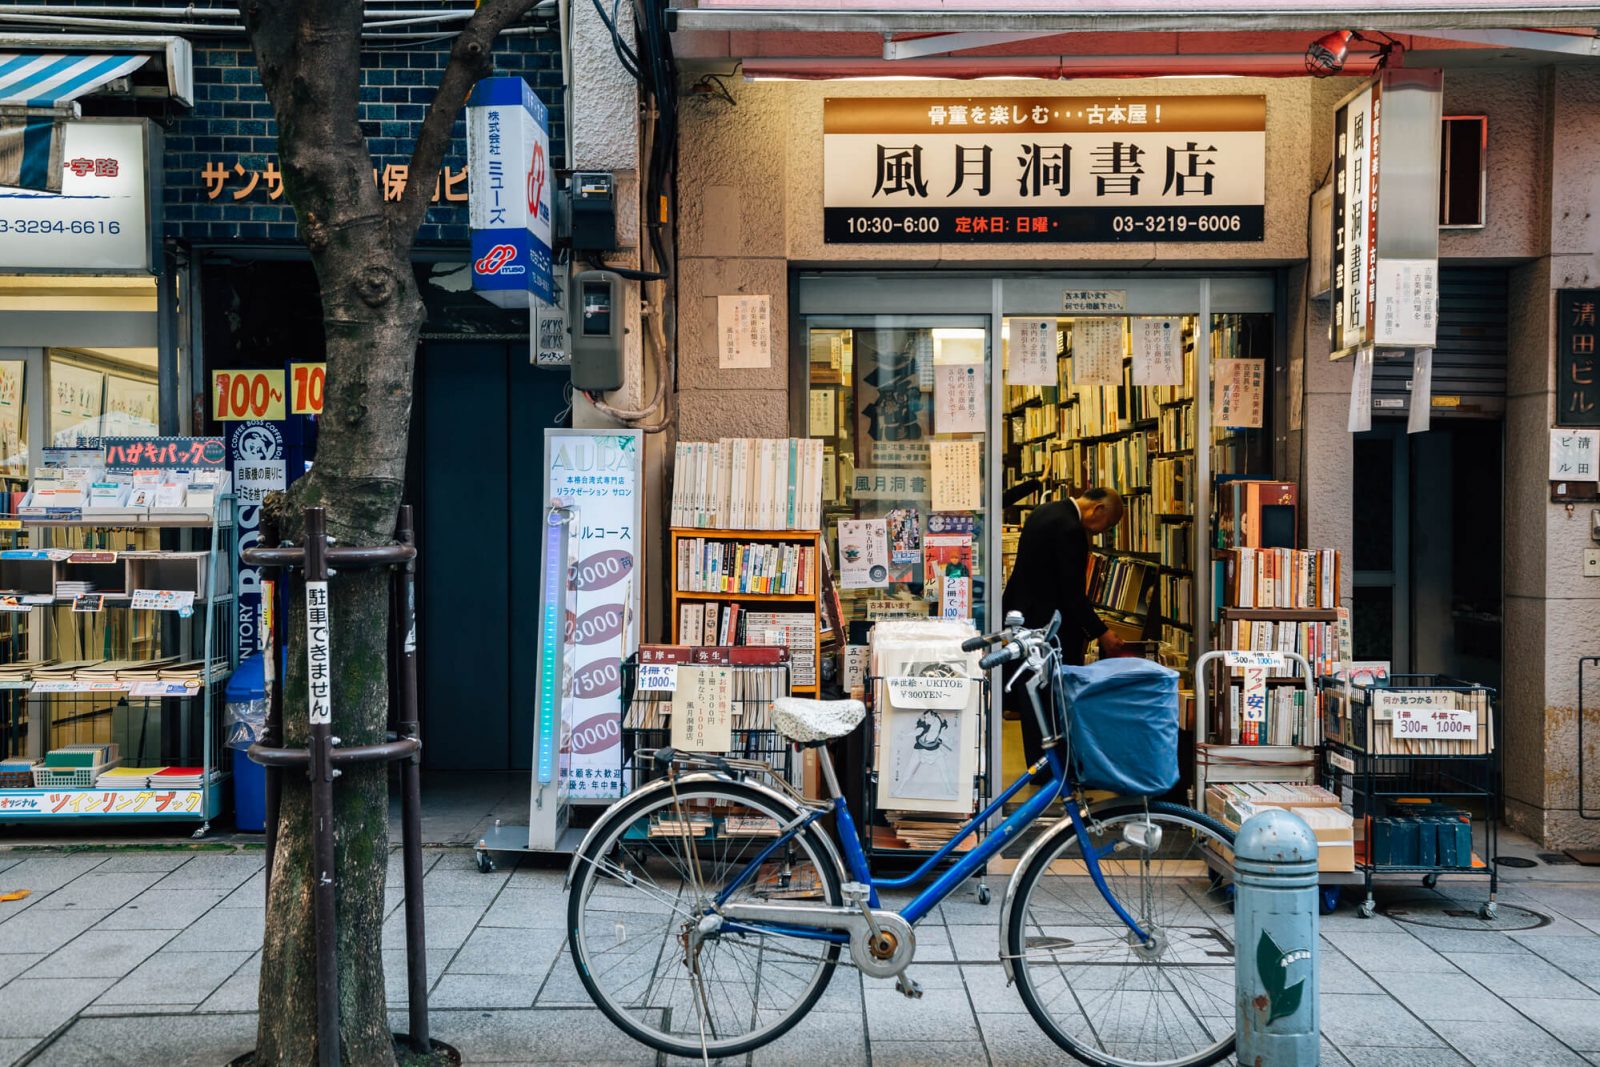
<point x="1280" y="577"/>
<point x="733" y="624"/>
<point x="1318" y="641"/>
<point x="1041" y="419"/>
<point x="742" y="483"/>
<point x="754" y="689"/>
<point x="711" y="566"/>
<point x="1120" y="583"/>
<point x="1175" y="544"/>
<point x="1137" y="530"/>
<point x="62" y="490"/>
<point x="1367" y="718"/>
<point x="1123" y="463"/>
<point x="1175" y="597"/>
<point x="1175" y="428"/>
<point x="1172" y="485"/>
<point x="1288" y="718"/>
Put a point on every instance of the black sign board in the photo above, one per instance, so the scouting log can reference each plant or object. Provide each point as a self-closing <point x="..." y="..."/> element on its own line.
<point x="1577" y="379"/>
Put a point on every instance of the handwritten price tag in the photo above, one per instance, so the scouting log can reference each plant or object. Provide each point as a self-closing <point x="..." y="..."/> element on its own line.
<point x="1444" y="724"/>
<point x="658" y="677"/>
<point x="1273" y="661"/>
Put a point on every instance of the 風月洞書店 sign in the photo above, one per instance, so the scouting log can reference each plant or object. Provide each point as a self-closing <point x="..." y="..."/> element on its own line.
<point x="1053" y="169"/>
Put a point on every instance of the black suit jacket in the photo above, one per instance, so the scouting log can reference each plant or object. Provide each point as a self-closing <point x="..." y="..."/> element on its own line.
<point x="1050" y="575"/>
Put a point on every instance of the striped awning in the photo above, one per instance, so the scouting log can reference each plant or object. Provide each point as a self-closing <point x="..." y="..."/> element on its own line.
<point x="50" y="79"/>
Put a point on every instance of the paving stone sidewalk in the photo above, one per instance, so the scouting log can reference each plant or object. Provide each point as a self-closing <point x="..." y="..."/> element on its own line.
<point x="131" y="957"/>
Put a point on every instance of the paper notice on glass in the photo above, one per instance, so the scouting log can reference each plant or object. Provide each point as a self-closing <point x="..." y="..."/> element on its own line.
<point x="1417" y="419"/>
<point x="957" y="485"/>
<point x="823" y="412"/>
<point x="1097" y="351"/>
<point x="958" y="398"/>
<point x="1297" y="392"/>
<point x="856" y="658"/>
<point x="1361" y="392"/>
<point x="744" y="332"/>
<point x="863" y="553"/>
<point x="702" y="709"/>
<point x="1157" y="351"/>
<point x="1236" y="389"/>
<point x="1408" y="302"/>
<point x="1573" y="455"/>
<point x="1032" y="352"/>
<point x="830" y="475"/>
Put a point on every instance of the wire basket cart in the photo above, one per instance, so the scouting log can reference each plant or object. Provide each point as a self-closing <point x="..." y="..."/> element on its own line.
<point x="907" y="837"/>
<point x="1417" y="761"/>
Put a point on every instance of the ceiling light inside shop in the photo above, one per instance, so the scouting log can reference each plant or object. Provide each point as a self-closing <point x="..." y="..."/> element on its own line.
<point x="58" y="292"/>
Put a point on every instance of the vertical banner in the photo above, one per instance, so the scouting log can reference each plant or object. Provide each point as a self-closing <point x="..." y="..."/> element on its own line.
<point x="1097" y="351"/>
<point x="256" y="452"/>
<point x="1361" y="392"/>
<point x="508" y="204"/>
<point x="595" y="476"/>
<point x="1417" y="419"/>
<point x="1032" y="351"/>
<point x="1157" y="351"/>
<point x="1577" y="383"/>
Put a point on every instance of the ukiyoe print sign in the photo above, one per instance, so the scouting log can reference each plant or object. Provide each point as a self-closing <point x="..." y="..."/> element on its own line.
<point x="988" y="169"/>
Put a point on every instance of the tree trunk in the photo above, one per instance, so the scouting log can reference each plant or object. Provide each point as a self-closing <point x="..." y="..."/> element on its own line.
<point x="309" y="56"/>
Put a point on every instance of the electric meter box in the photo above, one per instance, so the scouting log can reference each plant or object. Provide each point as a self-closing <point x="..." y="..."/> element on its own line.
<point x="594" y="212"/>
<point x="595" y="304"/>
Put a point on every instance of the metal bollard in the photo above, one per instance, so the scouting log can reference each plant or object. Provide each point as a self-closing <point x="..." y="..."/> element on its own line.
<point x="1275" y="930"/>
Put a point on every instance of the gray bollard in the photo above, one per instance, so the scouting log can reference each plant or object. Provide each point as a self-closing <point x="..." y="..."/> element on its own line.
<point x="1275" y="927"/>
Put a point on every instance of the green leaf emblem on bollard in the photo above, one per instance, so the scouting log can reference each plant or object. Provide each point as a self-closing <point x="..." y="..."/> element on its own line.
<point x="1272" y="963"/>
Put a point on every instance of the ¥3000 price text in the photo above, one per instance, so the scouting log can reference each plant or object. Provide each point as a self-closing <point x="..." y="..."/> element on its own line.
<point x="82" y="227"/>
<point x="1158" y="223"/>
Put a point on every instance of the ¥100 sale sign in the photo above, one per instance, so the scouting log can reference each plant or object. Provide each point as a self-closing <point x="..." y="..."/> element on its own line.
<point x="592" y="480"/>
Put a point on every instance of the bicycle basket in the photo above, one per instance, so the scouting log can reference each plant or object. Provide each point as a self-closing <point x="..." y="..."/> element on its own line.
<point x="1123" y="722"/>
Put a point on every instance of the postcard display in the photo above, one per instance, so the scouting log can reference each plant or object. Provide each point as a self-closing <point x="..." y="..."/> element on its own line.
<point x="928" y="763"/>
<point x="118" y="630"/>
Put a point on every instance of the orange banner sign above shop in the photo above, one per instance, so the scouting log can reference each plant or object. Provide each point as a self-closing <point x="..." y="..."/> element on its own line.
<point x="247" y="394"/>
<point x="1054" y="169"/>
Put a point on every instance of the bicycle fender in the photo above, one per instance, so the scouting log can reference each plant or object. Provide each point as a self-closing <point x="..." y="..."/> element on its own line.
<point x="1063" y="826"/>
<point x="615" y="812"/>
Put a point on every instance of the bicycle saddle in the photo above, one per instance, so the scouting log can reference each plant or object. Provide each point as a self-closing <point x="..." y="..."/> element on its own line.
<point x="804" y="720"/>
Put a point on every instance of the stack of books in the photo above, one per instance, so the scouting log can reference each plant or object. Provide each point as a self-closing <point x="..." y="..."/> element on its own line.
<point x="1280" y="577"/>
<point x="742" y="483"/>
<point x="126" y="777"/>
<point x="181" y="777"/>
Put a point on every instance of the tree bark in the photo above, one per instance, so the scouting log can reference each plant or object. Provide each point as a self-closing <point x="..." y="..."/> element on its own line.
<point x="309" y="56"/>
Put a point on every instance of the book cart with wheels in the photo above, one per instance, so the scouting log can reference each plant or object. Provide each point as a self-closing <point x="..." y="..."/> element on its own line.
<point x="1402" y="757"/>
<point x="119" y="635"/>
<point x="907" y="838"/>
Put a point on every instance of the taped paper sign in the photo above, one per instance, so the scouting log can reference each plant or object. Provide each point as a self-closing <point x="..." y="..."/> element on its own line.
<point x="1276" y="661"/>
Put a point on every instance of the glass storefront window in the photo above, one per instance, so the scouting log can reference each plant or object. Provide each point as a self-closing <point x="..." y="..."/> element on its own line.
<point x="102" y="393"/>
<point x="13" y="419"/>
<point x="901" y="404"/>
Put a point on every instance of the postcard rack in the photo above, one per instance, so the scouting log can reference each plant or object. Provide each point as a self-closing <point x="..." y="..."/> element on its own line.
<point x="893" y="835"/>
<point x="116" y="637"/>
<point x="1417" y="762"/>
<point x="647" y="722"/>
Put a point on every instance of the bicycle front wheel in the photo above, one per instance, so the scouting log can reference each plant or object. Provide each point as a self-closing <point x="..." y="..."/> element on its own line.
<point x="637" y="905"/>
<point x="1099" y="991"/>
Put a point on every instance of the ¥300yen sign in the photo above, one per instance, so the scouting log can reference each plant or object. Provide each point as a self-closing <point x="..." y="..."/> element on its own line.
<point x="1044" y="169"/>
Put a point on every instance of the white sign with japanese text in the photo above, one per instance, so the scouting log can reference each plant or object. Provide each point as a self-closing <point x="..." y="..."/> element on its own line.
<point x="100" y="219"/>
<point x="1574" y="455"/>
<point x="1432" y="719"/>
<point x="933" y="692"/>
<point x="1157" y="351"/>
<point x="1051" y="169"/>
<point x="744" y="332"/>
<point x="319" y="662"/>
<point x="1097" y="351"/>
<point x="658" y="677"/>
<point x="1250" y="658"/>
<point x="1236" y="392"/>
<point x="1407" y="302"/>
<point x="509" y="192"/>
<point x="1031" y="352"/>
<point x="596" y="473"/>
<point x="959" y="398"/>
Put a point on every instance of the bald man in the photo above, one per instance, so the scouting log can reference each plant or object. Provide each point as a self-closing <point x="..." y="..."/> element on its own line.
<point x="1050" y="575"/>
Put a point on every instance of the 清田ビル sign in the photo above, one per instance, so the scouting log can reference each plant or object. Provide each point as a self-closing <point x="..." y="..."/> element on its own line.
<point x="509" y="201"/>
<point x="998" y="169"/>
<point x="1577" y="387"/>
<point x="100" y="221"/>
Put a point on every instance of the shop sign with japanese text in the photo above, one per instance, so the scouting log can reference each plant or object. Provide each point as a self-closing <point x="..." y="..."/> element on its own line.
<point x="1577" y="388"/>
<point x="509" y="201"/>
<point x="594" y="475"/>
<point x="1030" y="169"/>
<point x="100" y="221"/>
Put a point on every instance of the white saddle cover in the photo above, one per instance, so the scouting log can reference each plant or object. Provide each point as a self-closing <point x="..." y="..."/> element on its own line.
<point x="804" y="720"/>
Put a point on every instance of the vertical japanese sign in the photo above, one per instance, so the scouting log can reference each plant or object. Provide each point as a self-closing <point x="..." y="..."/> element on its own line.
<point x="1352" y="237"/>
<point x="1236" y="392"/>
<point x="1574" y="455"/>
<point x="595" y="475"/>
<point x="1031" y="352"/>
<point x="255" y="449"/>
<point x="1092" y="168"/>
<point x="744" y="332"/>
<point x="1577" y="387"/>
<point x="1157" y="351"/>
<point x="508" y="157"/>
<point x="319" y="665"/>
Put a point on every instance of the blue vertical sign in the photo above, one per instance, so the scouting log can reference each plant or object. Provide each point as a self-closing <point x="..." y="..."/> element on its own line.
<point x="508" y="157"/>
<point x="257" y="454"/>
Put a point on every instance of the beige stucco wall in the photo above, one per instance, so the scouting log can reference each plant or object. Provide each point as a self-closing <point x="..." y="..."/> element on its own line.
<point x="751" y="209"/>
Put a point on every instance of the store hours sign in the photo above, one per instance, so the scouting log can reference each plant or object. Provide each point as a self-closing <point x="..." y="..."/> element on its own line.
<point x="1034" y="169"/>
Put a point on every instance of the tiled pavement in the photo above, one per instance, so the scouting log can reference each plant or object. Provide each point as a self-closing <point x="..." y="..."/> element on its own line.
<point x="149" y="957"/>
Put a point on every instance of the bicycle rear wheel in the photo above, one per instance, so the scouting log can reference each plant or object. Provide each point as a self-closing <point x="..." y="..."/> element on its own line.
<point x="1090" y="983"/>
<point x="638" y="898"/>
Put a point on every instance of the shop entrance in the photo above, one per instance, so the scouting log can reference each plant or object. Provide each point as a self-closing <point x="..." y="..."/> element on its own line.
<point x="1428" y="548"/>
<point x="477" y="453"/>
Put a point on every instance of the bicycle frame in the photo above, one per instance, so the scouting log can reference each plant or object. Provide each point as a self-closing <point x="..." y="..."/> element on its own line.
<point x="1053" y="782"/>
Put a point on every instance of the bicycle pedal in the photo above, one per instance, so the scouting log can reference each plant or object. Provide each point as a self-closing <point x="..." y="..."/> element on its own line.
<point x="904" y="983"/>
<point x="855" y="893"/>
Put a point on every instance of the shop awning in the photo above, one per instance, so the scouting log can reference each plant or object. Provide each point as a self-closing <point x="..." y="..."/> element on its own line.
<point x="52" y="79"/>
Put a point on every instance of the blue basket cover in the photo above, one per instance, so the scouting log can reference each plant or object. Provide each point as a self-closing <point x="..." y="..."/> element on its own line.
<point x="1124" y="725"/>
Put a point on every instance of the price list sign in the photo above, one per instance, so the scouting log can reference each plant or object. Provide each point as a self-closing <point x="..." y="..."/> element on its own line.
<point x="702" y="709"/>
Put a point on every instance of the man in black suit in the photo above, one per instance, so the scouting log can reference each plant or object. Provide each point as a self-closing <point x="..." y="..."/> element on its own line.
<point x="1050" y="575"/>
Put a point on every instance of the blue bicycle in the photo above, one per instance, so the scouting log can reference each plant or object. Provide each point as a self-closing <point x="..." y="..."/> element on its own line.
<point x="708" y="910"/>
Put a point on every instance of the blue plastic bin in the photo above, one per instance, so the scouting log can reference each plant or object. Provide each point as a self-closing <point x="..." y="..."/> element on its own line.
<point x="247" y="684"/>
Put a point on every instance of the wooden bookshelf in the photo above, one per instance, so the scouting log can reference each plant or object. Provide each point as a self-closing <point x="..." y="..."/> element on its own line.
<point x="754" y="602"/>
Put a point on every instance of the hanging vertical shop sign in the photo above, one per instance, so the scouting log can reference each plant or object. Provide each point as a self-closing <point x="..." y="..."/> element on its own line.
<point x="508" y="160"/>
<point x="1577" y="386"/>
<point x="1001" y="169"/>
<point x="594" y="475"/>
<point x="1385" y="213"/>
<point x="256" y="453"/>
